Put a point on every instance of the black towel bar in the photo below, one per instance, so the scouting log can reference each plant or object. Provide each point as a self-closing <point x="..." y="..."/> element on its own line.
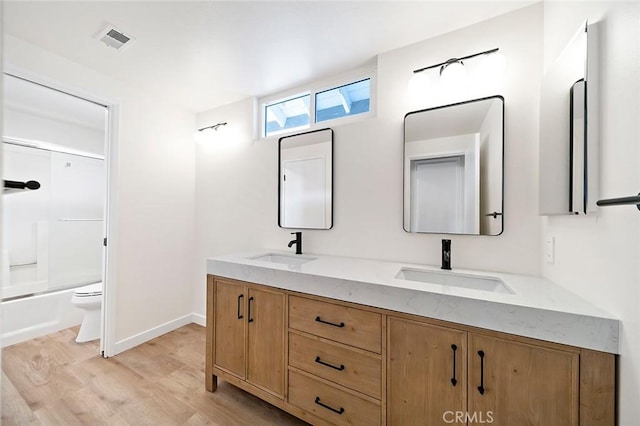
<point x="635" y="199"/>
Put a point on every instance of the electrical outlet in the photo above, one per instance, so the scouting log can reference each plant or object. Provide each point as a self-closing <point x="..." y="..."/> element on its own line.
<point x="550" y="250"/>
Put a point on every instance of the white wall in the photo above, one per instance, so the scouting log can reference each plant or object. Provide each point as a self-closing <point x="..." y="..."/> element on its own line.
<point x="236" y="191"/>
<point x="28" y="125"/>
<point x="598" y="256"/>
<point x="153" y="194"/>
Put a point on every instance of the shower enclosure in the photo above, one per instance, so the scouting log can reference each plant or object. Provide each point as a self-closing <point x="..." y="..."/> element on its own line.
<point x="52" y="237"/>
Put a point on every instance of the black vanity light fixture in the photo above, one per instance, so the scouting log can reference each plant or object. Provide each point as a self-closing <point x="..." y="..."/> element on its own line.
<point x="452" y="61"/>
<point x="215" y="127"/>
<point x="208" y="133"/>
<point x="454" y="71"/>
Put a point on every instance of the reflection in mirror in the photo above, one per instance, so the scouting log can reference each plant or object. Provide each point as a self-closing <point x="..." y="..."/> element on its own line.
<point x="453" y="168"/>
<point x="305" y="180"/>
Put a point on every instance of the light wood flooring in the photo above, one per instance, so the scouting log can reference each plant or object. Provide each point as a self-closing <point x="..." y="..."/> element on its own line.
<point x="54" y="381"/>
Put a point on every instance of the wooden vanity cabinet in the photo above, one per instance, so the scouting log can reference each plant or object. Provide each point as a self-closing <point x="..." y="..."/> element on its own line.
<point x="336" y="362"/>
<point x="427" y="372"/>
<point x="332" y="362"/>
<point x="500" y="379"/>
<point x="520" y="383"/>
<point x="248" y="334"/>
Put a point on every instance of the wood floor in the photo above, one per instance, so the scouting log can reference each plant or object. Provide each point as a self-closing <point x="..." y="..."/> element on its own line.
<point x="54" y="381"/>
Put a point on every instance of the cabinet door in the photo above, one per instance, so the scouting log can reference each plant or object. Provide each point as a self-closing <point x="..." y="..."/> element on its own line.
<point x="515" y="383"/>
<point x="266" y="329"/>
<point x="424" y="387"/>
<point x="229" y="325"/>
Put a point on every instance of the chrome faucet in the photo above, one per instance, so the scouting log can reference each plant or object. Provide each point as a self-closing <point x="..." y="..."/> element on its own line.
<point x="446" y="254"/>
<point x="297" y="242"/>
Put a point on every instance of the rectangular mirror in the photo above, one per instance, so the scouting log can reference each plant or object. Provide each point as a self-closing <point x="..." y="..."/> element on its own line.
<point x="569" y="128"/>
<point x="305" y="180"/>
<point x="453" y="168"/>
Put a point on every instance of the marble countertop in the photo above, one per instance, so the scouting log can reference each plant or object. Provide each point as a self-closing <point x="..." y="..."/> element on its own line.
<point x="537" y="308"/>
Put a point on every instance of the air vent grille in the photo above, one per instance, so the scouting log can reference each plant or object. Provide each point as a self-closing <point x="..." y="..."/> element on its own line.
<point x="114" y="38"/>
<point x="118" y="36"/>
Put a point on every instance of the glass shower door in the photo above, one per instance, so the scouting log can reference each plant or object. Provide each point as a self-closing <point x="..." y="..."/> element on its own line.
<point x="52" y="236"/>
<point x="25" y="240"/>
<point x="76" y="220"/>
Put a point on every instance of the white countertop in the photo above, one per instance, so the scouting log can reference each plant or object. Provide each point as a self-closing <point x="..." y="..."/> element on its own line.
<point x="538" y="308"/>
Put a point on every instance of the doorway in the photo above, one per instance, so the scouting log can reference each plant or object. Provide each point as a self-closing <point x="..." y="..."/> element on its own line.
<point x="53" y="237"/>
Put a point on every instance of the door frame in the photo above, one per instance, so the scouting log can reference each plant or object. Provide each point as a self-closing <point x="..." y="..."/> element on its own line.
<point x="109" y="267"/>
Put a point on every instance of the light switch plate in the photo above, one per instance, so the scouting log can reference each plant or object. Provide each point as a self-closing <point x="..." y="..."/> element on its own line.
<point x="549" y="250"/>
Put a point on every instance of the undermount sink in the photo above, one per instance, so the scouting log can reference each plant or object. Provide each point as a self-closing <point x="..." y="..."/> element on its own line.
<point x="454" y="279"/>
<point x="283" y="259"/>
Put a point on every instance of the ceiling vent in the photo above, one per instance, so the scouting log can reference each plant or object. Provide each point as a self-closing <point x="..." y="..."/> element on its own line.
<point x="115" y="38"/>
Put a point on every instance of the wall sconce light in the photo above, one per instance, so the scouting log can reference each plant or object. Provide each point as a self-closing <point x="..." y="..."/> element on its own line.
<point x="207" y="133"/>
<point x="453" y="74"/>
<point x="215" y="127"/>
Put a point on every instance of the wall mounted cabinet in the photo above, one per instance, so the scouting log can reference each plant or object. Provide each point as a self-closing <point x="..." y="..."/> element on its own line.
<point x="569" y="146"/>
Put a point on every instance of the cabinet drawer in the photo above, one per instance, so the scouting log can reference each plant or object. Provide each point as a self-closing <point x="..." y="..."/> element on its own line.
<point x="336" y="363"/>
<point x="351" y="326"/>
<point x="331" y="403"/>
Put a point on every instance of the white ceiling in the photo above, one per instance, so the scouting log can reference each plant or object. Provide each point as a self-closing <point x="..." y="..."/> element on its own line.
<point x="206" y="54"/>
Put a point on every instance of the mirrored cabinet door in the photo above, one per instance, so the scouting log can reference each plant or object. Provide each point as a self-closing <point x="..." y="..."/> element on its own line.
<point x="305" y="180"/>
<point x="569" y="146"/>
<point x="453" y="168"/>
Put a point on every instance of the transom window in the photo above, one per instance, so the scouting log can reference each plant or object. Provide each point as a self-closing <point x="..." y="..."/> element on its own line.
<point x="342" y="101"/>
<point x="301" y="111"/>
<point x="291" y="114"/>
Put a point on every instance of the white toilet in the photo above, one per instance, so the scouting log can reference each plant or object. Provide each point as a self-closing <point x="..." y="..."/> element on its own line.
<point x="89" y="298"/>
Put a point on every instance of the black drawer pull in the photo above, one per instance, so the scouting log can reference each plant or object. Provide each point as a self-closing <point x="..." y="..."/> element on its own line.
<point x="481" y="387"/>
<point x="340" y="411"/>
<point x="329" y="323"/>
<point x="319" y="361"/>
<point x="249" y="319"/>
<point x="240" y="297"/>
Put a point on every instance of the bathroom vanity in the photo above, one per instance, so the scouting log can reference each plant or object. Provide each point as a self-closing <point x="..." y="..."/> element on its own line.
<point x="350" y="341"/>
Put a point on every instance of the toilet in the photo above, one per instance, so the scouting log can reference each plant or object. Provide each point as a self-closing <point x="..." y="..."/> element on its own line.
<point x="89" y="298"/>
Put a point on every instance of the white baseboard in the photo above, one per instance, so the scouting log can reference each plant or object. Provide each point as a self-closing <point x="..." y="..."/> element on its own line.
<point x="152" y="333"/>
<point x="199" y="319"/>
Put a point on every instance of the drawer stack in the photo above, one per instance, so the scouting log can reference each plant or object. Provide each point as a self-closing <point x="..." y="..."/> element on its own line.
<point x="335" y="361"/>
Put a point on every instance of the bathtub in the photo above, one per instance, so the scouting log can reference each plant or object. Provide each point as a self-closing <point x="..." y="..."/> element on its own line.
<point x="34" y="316"/>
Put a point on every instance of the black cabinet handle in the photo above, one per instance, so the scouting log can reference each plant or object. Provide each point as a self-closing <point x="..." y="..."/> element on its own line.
<point x="326" y="364"/>
<point x="481" y="387"/>
<point x="240" y="297"/>
<point x="249" y="319"/>
<point x="340" y="411"/>
<point x="329" y="323"/>
<point x="453" y="377"/>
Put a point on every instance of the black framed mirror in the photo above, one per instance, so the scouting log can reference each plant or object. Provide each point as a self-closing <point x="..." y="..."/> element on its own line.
<point x="305" y="180"/>
<point x="454" y="167"/>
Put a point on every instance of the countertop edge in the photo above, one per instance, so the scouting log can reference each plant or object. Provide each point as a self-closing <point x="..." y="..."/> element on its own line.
<point x="583" y="331"/>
